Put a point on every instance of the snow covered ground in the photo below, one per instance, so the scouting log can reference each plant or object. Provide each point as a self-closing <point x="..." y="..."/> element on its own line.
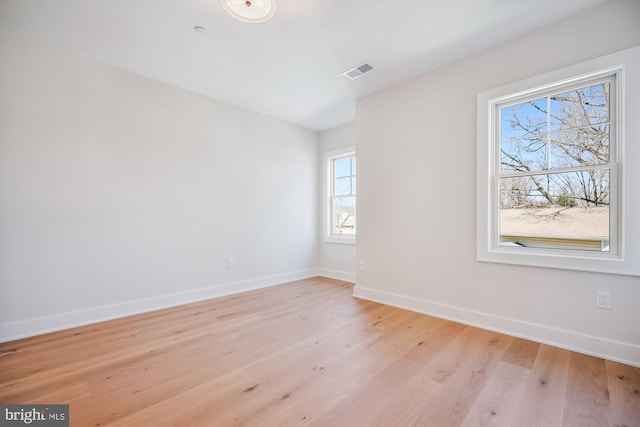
<point x="592" y="222"/>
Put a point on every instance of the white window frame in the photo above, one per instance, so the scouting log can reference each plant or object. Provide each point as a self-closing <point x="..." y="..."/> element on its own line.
<point x="624" y="257"/>
<point x="329" y="180"/>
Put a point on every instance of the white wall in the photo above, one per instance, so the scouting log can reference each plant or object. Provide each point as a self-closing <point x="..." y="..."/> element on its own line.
<point x="416" y="208"/>
<point x="336" y="260"/>
<point x="121" y="194"/>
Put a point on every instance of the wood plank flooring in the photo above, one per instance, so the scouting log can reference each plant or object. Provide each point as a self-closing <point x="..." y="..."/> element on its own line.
<point x="309" y="354"/>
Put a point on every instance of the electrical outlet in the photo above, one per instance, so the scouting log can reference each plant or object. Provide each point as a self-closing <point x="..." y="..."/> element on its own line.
<point x="230" y="263"/>
<point x="363" y="265"/>
<point x="603" y="300"/>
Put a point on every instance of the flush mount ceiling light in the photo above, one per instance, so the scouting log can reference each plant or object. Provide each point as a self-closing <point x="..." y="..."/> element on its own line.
<point x="251" y="11"/>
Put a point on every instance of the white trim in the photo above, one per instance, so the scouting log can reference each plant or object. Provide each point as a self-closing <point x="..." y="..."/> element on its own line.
<point x="25" y="328"/>
<point x="328" y="237"/>
<point x="336" y="274"/>
<point x="623" y="260"/>
<point x="347" y="239"/>
<point x="581" y="343"/>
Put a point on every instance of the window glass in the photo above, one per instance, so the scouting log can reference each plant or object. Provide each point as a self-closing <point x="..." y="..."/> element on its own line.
<point x="345" y="215"/>
<point x="341" y="197"/>
<point x="581" y="147"/>
<point x="519" y="155"/>
<point x="552" y="208"/>
<point x="585" y="106"/>
<point x="567" y="131"/>
<point x="343" y="167"/>
<point x="525" y="120"/>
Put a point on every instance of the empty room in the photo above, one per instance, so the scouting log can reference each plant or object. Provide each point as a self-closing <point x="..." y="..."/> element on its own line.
<point x="340" y="213"/>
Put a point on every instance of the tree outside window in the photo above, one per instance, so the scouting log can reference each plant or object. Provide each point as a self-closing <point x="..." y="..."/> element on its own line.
<point x="555" y="169"/>
<point x="344" y="196"/>
<point x="340" y="181"/>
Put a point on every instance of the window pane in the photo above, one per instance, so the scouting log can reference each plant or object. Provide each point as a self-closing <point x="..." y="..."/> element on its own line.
<point x="565" y="211"/>
<point x="524" y="121"/>
<point x="342" y="219"/>
<point x="343" y="186"/>
<point x="580" y="107"/>
<point x="522" y="155"/>
<point x="343" y="167"/>
<point x="580" y="147"/>
<point x="344" y="215"/>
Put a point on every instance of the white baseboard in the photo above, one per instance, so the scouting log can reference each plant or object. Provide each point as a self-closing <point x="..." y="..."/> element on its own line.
<point x="26" y="328"/>
<point x="594" y="346"/>
<point x="336" y="274"/>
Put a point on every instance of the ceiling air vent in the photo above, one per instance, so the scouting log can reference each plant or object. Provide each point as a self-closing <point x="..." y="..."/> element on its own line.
<point x="357" y="71"/>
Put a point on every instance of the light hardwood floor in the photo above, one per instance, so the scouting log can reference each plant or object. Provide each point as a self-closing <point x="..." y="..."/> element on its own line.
<point x="308" y="353"/>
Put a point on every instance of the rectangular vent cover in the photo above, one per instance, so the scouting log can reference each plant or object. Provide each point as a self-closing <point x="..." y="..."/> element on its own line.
<point x="357" y="71"/>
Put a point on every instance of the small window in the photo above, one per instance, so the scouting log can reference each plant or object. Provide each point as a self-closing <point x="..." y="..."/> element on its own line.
<point x="557" y="185"/>
<point x="341" y="196"/>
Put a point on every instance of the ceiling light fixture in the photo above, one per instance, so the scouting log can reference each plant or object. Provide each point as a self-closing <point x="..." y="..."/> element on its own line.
<point x="251" y="11"/>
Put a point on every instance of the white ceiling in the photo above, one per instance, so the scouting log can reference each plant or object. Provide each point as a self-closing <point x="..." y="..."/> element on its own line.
<point x="290" y="67"/>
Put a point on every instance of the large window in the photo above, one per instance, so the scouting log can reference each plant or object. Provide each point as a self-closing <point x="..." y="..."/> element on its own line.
<point x="557" y="186"/>
<point x="341" y="196"/>
<point x="557" y="152"/>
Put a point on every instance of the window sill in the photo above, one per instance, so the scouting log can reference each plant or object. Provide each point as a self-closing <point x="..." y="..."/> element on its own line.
<point x="590" y="261"/>
<point x="344" y="240"/>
